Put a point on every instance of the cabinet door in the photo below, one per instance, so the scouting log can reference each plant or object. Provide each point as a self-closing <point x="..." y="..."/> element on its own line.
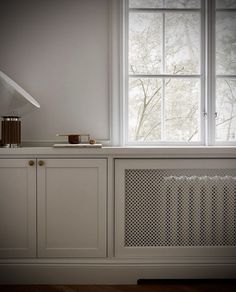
<point x="17" y="208"/>
<point x="72" y="208"/>
<point x="173" y="208"/>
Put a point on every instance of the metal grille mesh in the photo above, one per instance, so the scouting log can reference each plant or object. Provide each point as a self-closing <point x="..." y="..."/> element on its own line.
<point x="185" y="207"/>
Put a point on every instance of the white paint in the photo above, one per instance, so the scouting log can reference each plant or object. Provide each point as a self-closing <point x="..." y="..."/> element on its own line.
<point x="72" y="208"/>
<point x="58" y="51"/>
<point x="62" y="260"/>
<point x="18" y="209"/>
<point x="137" y="152"/>
<point x="121" y="185"/>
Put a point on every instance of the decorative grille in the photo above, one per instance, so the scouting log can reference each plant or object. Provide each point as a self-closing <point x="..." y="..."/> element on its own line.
<point x="185" y="207"/>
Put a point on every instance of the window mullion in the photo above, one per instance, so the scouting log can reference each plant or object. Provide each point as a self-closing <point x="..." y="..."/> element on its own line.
<point x="226" y="76"/>
<point x="163" y="81"/>
<point x="125" y="71"/>
<point x="182" y="76"/>
<point x="150" y="10"/>
<point x="203" y="106"/>
<point x="211" y="73"/>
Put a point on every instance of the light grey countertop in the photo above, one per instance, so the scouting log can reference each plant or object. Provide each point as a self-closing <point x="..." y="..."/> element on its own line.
<point x="156" y="152"/>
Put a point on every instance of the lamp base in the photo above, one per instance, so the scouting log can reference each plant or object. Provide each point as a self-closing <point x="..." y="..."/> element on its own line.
<point x="11" y="132"/>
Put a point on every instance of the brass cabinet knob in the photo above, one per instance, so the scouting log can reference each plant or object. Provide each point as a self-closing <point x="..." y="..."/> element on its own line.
<point x="31" y="163"/>
<point x="41" y="162"/>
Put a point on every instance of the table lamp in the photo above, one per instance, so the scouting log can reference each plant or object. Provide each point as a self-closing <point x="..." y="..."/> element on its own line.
<point x="14" y="103"/>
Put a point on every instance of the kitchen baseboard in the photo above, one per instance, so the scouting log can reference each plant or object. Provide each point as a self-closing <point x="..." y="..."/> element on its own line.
<point x="63" y="274"/>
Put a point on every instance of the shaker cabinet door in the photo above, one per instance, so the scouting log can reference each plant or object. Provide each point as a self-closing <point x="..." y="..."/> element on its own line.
<point x="17" y="208"/>
<point x="72" y="208"/>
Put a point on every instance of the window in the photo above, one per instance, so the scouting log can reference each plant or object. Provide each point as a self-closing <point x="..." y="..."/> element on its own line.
<point x="169" y="98"/>
<point x="226" y="70"/>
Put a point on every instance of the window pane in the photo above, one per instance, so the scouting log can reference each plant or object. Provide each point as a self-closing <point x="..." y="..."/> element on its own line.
<point x="182" y="43"/>
<point x="225" y="3"/>
<point x="165" y="4"/>
<point x="182" y="105"/>
<point x="226" y="109"/>
<point x="183" y="4"/>
<point x="226" y="43"/>
<point x="144" y="109"/>
<point x="145" y="43"/>
<point x="145" y="3"/>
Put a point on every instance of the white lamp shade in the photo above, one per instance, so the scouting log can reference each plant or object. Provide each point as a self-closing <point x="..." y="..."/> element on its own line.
<point x="14" y="100"/>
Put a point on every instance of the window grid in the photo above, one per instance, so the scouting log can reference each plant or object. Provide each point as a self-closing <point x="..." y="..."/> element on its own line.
<point x="163" y="79"/>
<point x="207" y="76"/>
<point x="163" y="76"/>
<point x="216" y="76"/>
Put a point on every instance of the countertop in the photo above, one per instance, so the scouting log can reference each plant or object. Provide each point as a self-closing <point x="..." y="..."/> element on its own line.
<point x="156" y="152"/>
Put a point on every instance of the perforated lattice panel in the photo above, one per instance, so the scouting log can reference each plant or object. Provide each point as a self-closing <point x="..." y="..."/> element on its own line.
<point x="183" y="207"/>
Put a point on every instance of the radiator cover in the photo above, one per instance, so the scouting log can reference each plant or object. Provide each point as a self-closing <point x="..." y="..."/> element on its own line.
<point x="180" y="208"/>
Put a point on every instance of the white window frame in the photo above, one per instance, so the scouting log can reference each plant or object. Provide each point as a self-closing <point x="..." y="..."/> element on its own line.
<point x="207" y="78"/>
<point x="212" y="83"/>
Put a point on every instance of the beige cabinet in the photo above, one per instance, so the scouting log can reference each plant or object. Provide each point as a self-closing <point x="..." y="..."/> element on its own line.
<point x="69" y="200"/>
<point x="71" y="207"/>
<point x="17" y="208"/>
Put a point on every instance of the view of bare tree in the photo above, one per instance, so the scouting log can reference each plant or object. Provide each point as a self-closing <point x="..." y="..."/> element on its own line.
<point x="164" y="109"/>
<point x="226" y="67"/>
<point x="165" y="42"/>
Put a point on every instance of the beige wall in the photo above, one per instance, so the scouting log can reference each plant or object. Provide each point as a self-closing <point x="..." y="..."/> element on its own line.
<point x="58" y="51"/>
